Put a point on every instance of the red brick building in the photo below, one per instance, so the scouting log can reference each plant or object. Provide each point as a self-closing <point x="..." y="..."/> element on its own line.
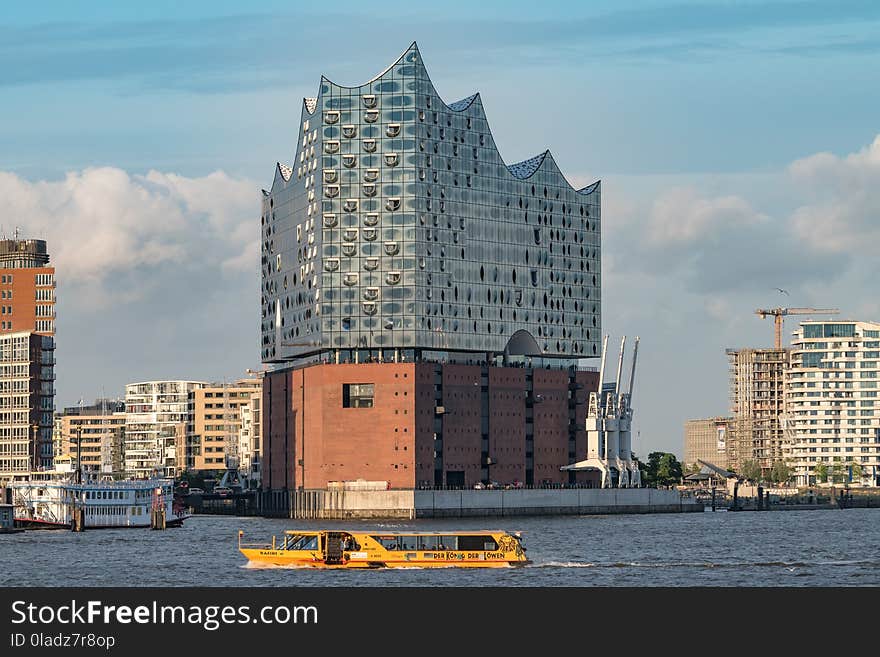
<point x="423" y="424"/>
<point x="27" y="287"/>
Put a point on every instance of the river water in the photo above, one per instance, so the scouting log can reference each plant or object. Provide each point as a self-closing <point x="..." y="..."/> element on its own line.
<point x="776" y="548"/>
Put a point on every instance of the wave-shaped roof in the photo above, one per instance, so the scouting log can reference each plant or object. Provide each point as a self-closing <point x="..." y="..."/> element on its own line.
<point x="463" y="104"/>
<point x="527" y="168"/>
<point x="286" y="171"/>
<point x="519" y="170"/>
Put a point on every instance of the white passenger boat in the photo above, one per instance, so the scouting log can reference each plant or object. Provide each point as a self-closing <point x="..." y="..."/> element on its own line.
<point x="52" y="500"/>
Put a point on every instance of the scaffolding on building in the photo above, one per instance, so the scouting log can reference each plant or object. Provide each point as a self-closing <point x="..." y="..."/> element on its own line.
<point x="757" y="404"/>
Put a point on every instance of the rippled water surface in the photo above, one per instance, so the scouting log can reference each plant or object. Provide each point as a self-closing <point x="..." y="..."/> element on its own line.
<point x="790" y="548"/>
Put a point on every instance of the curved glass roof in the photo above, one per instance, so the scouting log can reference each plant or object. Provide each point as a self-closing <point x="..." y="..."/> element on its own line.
<point x="527" y="168"/>
<point x="462" y="104"/>
<point x="520" y="170"/>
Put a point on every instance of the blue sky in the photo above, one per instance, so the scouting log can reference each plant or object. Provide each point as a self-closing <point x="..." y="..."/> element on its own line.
<point x="145" y="131"/>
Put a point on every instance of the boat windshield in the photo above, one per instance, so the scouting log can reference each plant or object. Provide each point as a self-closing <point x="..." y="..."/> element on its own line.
<point x="298" y="542"/>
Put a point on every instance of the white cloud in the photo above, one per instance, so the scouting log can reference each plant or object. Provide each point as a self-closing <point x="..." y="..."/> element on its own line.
<point x="101" y="223"/>
<point x="688" y="259"/>
<point x="158" y="274"/>
<point x="681" y="216"/>
<point x="843" y="212"/>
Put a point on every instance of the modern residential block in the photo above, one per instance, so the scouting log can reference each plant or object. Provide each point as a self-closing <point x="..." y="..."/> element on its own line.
<point x="217" y="423"/>
<point x="101" y="430"/>
<point x="27" y="398"/>
<point x="832" y="404"/>
<point x="251" y="441"/>
<point x="159" y="417"/>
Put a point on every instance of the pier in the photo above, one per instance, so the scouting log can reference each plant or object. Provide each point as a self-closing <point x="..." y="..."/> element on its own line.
<point x="759" y="498"/>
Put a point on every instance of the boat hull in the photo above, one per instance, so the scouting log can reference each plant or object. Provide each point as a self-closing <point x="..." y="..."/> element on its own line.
<point x="367" y="550"/>
<point x="28" y="523"/>
<point x="417" y="560"/>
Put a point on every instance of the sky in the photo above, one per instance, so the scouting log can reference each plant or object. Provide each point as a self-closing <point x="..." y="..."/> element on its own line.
<point x="738" y="144"/>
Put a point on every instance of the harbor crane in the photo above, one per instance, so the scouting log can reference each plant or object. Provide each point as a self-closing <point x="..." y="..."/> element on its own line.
<point x="779" y="313"/>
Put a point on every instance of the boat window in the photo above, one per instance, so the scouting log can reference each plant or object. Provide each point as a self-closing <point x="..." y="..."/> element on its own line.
<point x="350" y="543"/>
<point x="428" y="542"/>
<point x="448" y="543"/>
<point x="408" y="542"/>
<point x="387" y="542"/>
<point x="479" y="542"/>
<point x="302" y="543"/>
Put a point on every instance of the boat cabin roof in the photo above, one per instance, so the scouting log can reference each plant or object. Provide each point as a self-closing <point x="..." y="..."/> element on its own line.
<point x="470" y="532"/>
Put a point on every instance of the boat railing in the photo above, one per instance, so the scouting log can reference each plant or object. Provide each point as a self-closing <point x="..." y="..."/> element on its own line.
<point x="256" y="546"/>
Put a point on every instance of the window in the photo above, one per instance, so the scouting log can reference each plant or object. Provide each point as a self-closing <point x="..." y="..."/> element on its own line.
<point x="476" y="543"/>
<point x="429" y="542"/>
<point x="357" y="395"/>
<point x="387" y="542"/>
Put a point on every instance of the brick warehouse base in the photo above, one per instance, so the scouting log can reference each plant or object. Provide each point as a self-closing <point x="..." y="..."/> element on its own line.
<point x="423" y="425"/>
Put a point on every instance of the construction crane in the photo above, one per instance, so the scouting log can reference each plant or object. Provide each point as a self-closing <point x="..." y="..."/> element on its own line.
<point x="779" y="313"/>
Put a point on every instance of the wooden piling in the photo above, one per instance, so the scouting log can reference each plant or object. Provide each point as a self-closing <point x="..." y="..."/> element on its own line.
<point x="78" y="520"/>
<point x="157" y="518"/>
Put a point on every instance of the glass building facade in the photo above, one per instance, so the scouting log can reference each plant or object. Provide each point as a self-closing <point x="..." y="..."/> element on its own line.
<point x="832" y="403"/>
<point x="399" y="230"/>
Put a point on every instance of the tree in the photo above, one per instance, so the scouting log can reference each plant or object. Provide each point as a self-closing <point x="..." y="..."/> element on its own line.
<point x="855" y="469"/>
<point x="751" y="470"/>
<point x="821" y="472"/>
<point x="837" y="472"/>
<point x="669" y="471"/>
<point x="780" y="472"/>
<point x="663" y="469"/>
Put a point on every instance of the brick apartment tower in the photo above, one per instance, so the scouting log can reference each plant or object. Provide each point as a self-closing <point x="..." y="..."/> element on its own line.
<point x="27" y="287"/>
<point x="27" y="330"/>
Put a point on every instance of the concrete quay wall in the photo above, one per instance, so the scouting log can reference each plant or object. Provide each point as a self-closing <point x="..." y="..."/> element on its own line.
<point x="358" y="504"/>
<point x="409" y="504"/>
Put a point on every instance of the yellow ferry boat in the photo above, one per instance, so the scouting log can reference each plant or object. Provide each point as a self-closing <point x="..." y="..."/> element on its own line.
<point x="364" y="549"/>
